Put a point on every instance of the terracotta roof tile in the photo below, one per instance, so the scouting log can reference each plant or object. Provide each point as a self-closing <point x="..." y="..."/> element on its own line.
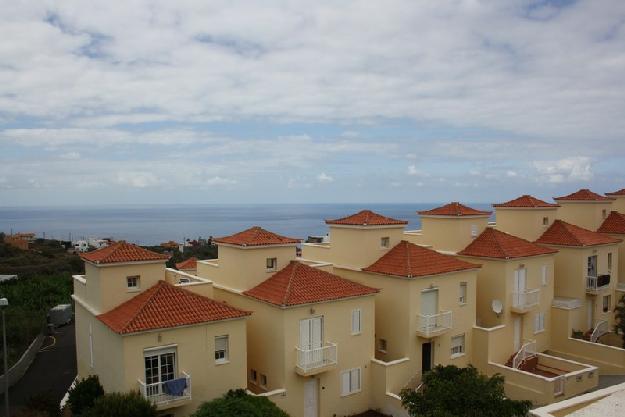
<point x="409" y="260"/>
<point x="121" y="252"/>
<point x="614" y="223"/>
<point x="454" y="209"/>
<point x="256" y="236"/>
<point x="493" y="243"/>
<point x="165" y="306"/>
<point x="583" y="195"/>
<point x="527" y="201"/>
<point x="190" y="263"/>
<point x="298" y="283"/>
<point x="619" y="192"/>
<point x="566" y="234"/>
<point x="366" y="218"/>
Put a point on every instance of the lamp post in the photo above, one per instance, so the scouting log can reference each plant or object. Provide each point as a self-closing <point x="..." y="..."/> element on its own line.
<point x="3" y="303"/>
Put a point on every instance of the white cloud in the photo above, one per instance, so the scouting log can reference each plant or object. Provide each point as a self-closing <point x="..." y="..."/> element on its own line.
<point x="217" y="180"/>
<point x="573" y="169"/>
<point x="323" y="177"/>
<point x="137" y="179"/>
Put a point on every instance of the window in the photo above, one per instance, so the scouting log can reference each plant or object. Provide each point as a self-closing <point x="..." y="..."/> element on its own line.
<point x="607" y="301"/>
<point x="263" y="380"/>
<point x="474" y="230"/>
<point x="160" y="366"/>
<point x="457" y="346"/>
<point x="462" y="298"/>
<point x="350" y="381"/>
<point x="544" y="275"/>
<point x="385" y="242"/>
<point x="604" y="213"/>
<point x="591" y="269"/>
<point x="272" y="264"/>
<point x="545" y="221"/>
<point x="539" y="322"/>
<point x="132" y="282"/>
<point x="356" y="322"/>
<point x="221" y="349"/>
<point x="253" y="375"/>
<point x="610" y="262"/>
<point x="382" y="345"/>
<point x="90" y="346"/>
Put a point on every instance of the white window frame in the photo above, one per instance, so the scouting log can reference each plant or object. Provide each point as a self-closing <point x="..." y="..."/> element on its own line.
<point x="261" y="382"/>
<point x="356" y="321"/>
<point x="539" y="322"/>
<point x="474" y="230"/>
<point x="226" y="350"/>
<point x="604" y="308"/>
<point x="463" y="290"/>
<point x="135" y="280"/>
<point x="351" y="381"/>
<point x="545" y="221"/>
<point x="610" y="262"/>
<point x="545" y="275"/>
<point x="385" y="242"/>
<point x="458" y="347"/>
<point x="274" y="264"/>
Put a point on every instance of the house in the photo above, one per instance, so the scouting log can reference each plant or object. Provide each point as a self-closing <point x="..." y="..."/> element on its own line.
<point x="20" y="240"/>
<point x="514" y="295"/>
<point x="141" y="326"/>
<point x="526" y="217"/>
<point x="618" y="202"/>
<point x="584" y="208"/>
<point x="614" y="226"/>
<point x="188" y="265"/>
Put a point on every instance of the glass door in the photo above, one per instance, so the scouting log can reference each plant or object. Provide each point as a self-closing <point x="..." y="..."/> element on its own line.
<point x="159" y="367"/>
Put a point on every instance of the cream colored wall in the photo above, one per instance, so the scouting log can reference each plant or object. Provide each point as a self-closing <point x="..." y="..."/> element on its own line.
<point x="360" y="247"/>
<point x="588" y="215"/>
<point x="195" y="353"/>
<point x="525" y="223"/>
<point x="618" y="265"/>
<point x="318" y="252"/>
<point x="618" y="204"/>
<point x="450" y="233"/>
<point x="242" y="269"/>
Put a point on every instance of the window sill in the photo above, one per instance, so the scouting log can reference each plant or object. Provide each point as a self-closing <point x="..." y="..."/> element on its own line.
<point x="463" y="304"/>
<point x="134" y="289"/>
<point x="458" y="355"/>
<point x="356" y="334"/>
<point x="351" y="393"/>
<point x="222" y="362"/>
<point x="539" y="331"/>
<point x="382" y="351"/>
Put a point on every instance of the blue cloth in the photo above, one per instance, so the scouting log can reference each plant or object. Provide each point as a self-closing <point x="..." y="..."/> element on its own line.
<point x="175" y="387"/>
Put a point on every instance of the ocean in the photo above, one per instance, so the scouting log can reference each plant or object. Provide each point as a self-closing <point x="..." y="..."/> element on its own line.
<point x="153" y="224"/>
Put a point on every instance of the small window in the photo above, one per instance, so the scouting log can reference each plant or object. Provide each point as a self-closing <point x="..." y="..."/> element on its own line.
<point x="350" y="381"/>
<point x="382" y="345"/>
<point x="462" y="297"/>
<point x="545" y="221"/>
<point x="610" y="262"/>
<point x="132" y="282"/>
<point x="607" y="301"/>
<point x="221" y="349"/>
<point x="604" y="213"/>
<point x="539" y="322"/>
<point x="545" y="279"/>
<point x="474" y="230"/>
<point x="356" y="321"/>
<point x="385" y="242"/>
<point x="457" y="346"/>
<point x="263" y="380"/>
<point x="272" y="264"/>
<point x="253" y="375"/>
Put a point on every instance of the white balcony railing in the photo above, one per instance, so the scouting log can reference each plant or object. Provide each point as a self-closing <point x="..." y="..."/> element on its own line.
<point x="161" y="393"/>
<point x="600" y="329"/>
<point x="525" y="299"/>
<point x="558" y="385"/>
<point x="597" y="283"/>
<point x="527" y="351"/>
<point x="310" y="359"/>
<point x="432" y="324"/>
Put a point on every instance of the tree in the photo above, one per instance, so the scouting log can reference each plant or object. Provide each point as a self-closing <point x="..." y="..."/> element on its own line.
<point x="116" y="404"/>
<point x="84" y="393"/>
<point x="620" y="318"/>
<point x="449" y="391"/>
<point x="239" y="403"/>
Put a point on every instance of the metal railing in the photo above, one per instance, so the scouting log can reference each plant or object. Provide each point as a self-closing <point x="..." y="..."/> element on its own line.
<point x="600" y="329"/>
<point x="598" y="282"/>
<point x="525" y="299"/>
<point x="160" y="393"/>
<point x="310" y="359"/>
<point x="558" y="385"/>
<point x="528" y="350"/>
<point x="432" y="323"/>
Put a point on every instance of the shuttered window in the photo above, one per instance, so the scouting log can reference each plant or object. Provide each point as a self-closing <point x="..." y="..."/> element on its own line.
<point x="457" y="345"/>
<point x="356" y="321"/>
<point x="221" y="349"/>
<point x="350" y="381"/>
<point x="544" y="275"/>
<point x="539" y="322"/>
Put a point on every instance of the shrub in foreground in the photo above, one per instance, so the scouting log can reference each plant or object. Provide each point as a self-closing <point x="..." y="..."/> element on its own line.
<point x="239" y="403"/>
<point x="116" y="404"/>
<point x="83" y="394"/>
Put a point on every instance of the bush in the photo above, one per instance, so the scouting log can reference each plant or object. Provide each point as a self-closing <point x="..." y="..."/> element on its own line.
<point x="238" y="403"/>
<point x="84" y="394"/>
<point x="41" y="405"/>
<point x="130" y="404"/>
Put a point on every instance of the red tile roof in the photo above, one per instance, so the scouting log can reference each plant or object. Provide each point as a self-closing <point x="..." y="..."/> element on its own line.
<point x="619" y="192"/>
<point x="256" y="236"/>
<point x="493" y="243"/>
<point x="121" y="252"/>
<point x="454" y="209"/>
<point x="366" y="218"/>
<point x="583" y="195"/>
<point x="298" y="283"/>
<point x="527" y="201"/>
<point x="409" y="260"/>
<point x="566" y="234"/>
<point x="190" y="263"/>
<point x="164" y="306"/>
<point x="614" y="223"/>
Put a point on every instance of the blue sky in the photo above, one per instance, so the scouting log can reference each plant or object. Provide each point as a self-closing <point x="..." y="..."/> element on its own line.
<point x="238" y="102"/>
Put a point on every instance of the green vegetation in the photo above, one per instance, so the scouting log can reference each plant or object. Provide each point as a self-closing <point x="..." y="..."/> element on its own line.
<point x="238" y="403"/>
<point x="84" y="394"/>
<point x="130" y="404"/>
<point x="619" y="313"/>
<point x="449" y="391"/>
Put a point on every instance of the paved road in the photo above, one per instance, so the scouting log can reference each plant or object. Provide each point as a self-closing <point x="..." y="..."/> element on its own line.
<point x="52" y="371"/>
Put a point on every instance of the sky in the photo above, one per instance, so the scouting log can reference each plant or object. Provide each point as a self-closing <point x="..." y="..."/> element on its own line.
<point x="161" y="102"/>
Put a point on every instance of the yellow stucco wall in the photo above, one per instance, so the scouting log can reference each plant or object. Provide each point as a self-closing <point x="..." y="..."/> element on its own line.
<point x="618" y="204"/>
<point x="526" y="223"/>
<point x="451" y="233"/>
<point x="588" y="215"/>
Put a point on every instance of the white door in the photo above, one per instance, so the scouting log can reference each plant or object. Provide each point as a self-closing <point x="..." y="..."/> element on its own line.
<point x="517" y="333"/>
<point x="310" y="398"/>
<point x="520" y="281"/>
<point x="590" y="307"/>
<point x="429" y="307"/>
<point x="311" y="339"/>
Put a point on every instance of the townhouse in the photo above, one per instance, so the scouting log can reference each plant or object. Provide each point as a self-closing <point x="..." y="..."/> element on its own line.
<point x="618" y="200"/>
<point x="614" y="226"/>
<point x="584" y="208"/>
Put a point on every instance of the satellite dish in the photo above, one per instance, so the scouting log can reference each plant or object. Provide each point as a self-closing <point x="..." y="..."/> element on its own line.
<point x="497" y="307"/>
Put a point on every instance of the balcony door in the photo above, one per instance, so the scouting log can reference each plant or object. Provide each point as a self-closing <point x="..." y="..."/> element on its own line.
<point x="311" y="392"/>
<point x="591" y="270"/>
<point x="429" y="302"/>
<point x="520" y="284"/>
<point x="160" y="366"/>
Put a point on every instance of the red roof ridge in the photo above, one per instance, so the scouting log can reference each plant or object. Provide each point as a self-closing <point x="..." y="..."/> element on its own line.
<point x="614" y="223"/>
<point x="287" y="293"/>
<point x="122" y="252"/>
<point x="256" y="236"/>
<point x="366" y="218"/>
<point x="527" y="201"/>
<point x="583" y="194"/>
<point x="619" y="192"/>
<point x="492" y="243"/>
<point x="565" y="234"/>
<point x="190" y="263"/>
<point x="454" y="209"/>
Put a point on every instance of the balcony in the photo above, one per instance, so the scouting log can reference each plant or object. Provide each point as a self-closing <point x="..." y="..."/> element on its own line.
<point x="595" y="285"/>
<point x="317" y="360"/>
<point x="168" y="394"/>
<point x="524" y="301"/>
<point x="433" y="325"/>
